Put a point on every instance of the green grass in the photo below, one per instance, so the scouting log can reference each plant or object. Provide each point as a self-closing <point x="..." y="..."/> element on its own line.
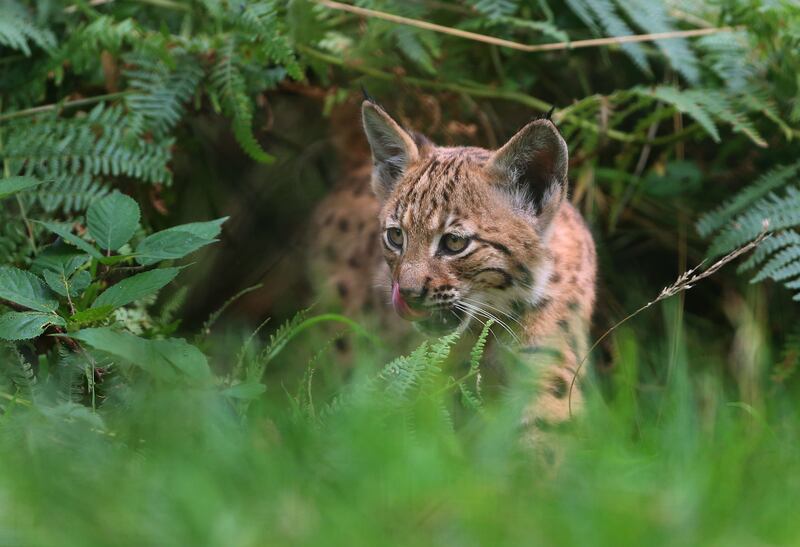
<point x="666" y="458"/>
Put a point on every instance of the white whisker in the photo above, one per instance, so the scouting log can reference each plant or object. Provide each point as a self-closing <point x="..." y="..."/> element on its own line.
<point x="489" y="315"/>
<point x="498" y="310"/>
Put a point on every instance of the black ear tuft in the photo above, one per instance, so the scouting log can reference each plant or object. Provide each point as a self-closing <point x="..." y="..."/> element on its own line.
<point x="367" y="96"/>
<point x="393" y="148"/>
<point x="546" y="116"/>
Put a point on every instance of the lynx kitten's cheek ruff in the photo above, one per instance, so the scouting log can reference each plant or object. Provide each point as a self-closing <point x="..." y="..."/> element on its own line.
<point x="448" y="236"/>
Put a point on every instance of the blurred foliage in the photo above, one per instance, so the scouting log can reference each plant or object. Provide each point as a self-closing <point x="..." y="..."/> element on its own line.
<point x="125" y="124"/>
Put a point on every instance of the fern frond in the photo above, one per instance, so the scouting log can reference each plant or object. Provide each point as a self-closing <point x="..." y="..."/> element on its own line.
<point x="440" y="349"/>
<point x="87" y="41"/>
<point x="722" y="108"/>
<point x="228" y="85"/>
<point x="279" y="339"/>
<point x="789" y="273"/>
<point x="18" y="32"/>
<point x="13" y="242"/>
<point x="70" y="193"/>
<point x="706" y="106"/>
<point x="495" y="9"/>
<point x="780" y="213"/>
<point x="780" y="266"/>
<point x="652" y="17"/>
<point x="745" y="216"/>
<point x="766" y="183"/>
<point x="470" y="399"/>
<point x="758" y="100"/>
<point x="602" y="18"/>
<point x="79" y="153"/>
<point x="723" y="53"/>
<point x="686" y="102"/>
<point x="543" y="27"/>
<point x="417" y="46"/>
<point x="786" y="269"/>
<point x="267" y="31"/>
<point x="161" y="91"/>
<point x="404" y="373"/>
<point x="15" y="368"/>
<point x="770" y="245"/>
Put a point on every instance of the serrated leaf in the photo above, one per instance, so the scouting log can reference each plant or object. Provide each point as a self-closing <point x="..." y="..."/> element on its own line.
<point x="92" y="315"/>
<point x="11" y="185"/>
<point x="62" y="284"/>
<point x="80" y="281"/>
<point x="24" y="325"/>
<point x="165" y="359"/>
<point x="165" y="246"/>
<point x="26" y="289"/>
<point x="208" y="229"/>
<point x="65" y="231"/>
<point x="246" y="391"/>
<point x="178" y="241"/>
<point x="59" y="258"/>
<point x="57" y="282"/>
<point x="113" y="220"/>
<point x="135" y="287"/>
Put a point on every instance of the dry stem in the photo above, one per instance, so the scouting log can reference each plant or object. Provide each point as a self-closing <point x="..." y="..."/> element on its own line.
<point x="593" y="42"/>
<point x="685" y="281"/>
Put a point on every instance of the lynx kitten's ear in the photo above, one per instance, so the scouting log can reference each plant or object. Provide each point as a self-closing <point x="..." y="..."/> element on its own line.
<point x="533" y="167"/>
<point x="393" y="148"/>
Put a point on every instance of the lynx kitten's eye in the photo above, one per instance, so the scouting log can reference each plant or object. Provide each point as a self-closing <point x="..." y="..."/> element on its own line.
<point x="453" y="244"/>
<point x="394" y="237"/>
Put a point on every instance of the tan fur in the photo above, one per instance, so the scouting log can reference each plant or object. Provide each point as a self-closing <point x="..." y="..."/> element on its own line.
<point x="530" y="260"/>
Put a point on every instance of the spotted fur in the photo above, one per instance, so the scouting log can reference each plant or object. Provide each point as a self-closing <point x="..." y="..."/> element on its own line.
<point x="529" y="261"/>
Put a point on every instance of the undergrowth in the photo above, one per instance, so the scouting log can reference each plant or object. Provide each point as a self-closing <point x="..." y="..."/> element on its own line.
<point x="389" y="464"/>
<point x="121" y="425"/>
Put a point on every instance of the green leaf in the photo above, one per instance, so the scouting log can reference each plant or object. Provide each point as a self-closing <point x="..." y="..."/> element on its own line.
<point x="92" y="315"/>
<point x="59" y="258"/>
<point x="136" y="287"/>
<point x="165" y="359"/>
<point x="61" y="284"/>
<point x="168" y="245"/>
<point x="113" y="220"/>
<point x="12" y="185"/>
<point x="115" y="259"/>
<point x="246" y="391"/>
<point x="65" y="231"/>
<point x="24" y="325"/>
<point x="209" y="229"/>
<point x="178" y="241"/>
<point x="26" y="289"/>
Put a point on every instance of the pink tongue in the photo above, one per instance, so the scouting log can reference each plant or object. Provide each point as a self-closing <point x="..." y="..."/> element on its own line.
<point x="402" y="308"/>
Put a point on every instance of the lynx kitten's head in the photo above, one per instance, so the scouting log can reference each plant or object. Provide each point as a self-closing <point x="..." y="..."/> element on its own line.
<point x="465" y="229"/>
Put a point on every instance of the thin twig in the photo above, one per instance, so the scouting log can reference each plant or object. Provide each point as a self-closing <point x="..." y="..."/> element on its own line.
<point x="685" y="281"/>
<point x="159" y="3"/>
<point x="63" y="105"/>
<point x="529" y="48"/>
<point x="473" y="90"/>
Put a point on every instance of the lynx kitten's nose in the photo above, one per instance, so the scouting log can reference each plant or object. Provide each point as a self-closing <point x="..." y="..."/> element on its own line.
<point x="401" y="304"/>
